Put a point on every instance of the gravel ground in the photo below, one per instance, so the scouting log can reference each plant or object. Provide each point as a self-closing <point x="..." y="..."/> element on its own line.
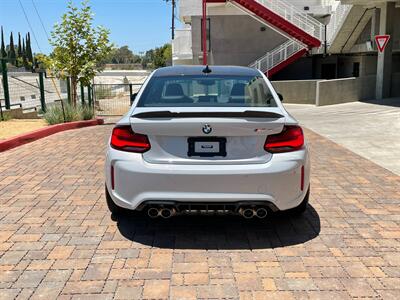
<point x="15" y="127"/>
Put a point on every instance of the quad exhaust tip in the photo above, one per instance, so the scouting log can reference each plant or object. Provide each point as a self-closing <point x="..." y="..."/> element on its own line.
<point x="166" y="213"/>
<point x="153" y="212"/>
<point x="261" y="213"/>
<point x="247" y="213"/>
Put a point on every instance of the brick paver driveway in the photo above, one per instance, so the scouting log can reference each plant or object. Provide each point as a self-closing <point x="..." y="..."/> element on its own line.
<point x="58" y="240"/>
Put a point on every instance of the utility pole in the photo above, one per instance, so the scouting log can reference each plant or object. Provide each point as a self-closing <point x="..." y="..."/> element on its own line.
<point x="173" y="20"/>
<point x="173" y="2"/>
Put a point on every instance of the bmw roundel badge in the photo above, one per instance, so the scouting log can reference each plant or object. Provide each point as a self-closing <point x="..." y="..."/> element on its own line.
<point x="207" y="129"/>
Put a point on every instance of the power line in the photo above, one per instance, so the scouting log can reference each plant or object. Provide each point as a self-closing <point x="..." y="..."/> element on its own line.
<point x="41" y="21"/>
<point x="29" y="24"/>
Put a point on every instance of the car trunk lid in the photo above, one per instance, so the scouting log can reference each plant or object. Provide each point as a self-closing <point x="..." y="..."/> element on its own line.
<point x="207" y="135"/>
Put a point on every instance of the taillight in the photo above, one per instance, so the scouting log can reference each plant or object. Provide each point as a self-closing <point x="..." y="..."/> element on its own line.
<point x="124" y="139"/>
<point x="290" y="139"/>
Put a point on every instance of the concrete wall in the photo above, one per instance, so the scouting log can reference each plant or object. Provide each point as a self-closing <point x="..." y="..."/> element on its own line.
<point x="18" y="113"/>
<point x="235" y="40"/>
<point x="335" y="91"/>
<point x="182" y="46"/>
<point x="345" y="90"/>
<point x="297" y="91"/>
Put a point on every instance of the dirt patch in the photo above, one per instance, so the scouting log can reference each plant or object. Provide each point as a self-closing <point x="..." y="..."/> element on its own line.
<point x="15" y="127"/>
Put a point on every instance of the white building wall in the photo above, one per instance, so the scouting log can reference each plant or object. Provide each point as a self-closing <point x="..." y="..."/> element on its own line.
<point x="189" y="8"/>
<point x="235" y="40"/>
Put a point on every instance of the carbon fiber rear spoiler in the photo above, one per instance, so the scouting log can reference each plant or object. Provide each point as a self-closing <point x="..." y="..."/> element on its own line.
<point x="171" y="115"/>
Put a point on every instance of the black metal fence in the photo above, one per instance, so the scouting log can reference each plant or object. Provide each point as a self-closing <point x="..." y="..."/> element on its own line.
<point x="114" y="99"/>
<point x="30" y="91"/>
<point x="37" y="91"/>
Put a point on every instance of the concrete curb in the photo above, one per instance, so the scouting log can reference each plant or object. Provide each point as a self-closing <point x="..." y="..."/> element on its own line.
<point x="25" y="138"/>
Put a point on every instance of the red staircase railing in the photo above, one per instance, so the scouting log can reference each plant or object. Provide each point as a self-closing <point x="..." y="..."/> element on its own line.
<point x="298" y="26"/>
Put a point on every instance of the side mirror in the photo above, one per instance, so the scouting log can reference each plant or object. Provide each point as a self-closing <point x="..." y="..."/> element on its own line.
<point x="133" y="97"/>
<point x="280" y="96"/>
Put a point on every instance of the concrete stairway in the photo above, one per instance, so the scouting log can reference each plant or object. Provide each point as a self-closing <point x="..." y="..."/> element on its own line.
<point x="353" y="22"/>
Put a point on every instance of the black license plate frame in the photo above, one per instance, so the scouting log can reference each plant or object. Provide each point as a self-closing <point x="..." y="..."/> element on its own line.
<point x="193" y="140"/>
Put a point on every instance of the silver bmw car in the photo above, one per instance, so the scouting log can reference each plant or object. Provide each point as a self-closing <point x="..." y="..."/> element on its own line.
<point x="208" y="140"/>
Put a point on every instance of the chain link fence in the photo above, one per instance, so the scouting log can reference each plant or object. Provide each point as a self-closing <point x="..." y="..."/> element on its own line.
<point x="109" y="95"/>
<point x="25" y="90"/>
<point x="114" y="99"/>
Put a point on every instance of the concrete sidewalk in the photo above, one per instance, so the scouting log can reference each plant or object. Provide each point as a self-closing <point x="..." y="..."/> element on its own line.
<point x="369" y="129"/>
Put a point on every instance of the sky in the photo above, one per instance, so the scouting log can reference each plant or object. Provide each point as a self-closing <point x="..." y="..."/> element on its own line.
<point x="140" y="24"/>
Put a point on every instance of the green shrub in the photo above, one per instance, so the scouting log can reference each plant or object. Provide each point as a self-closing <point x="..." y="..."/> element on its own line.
<point x="5" y="117"/>
<point x="55" y="115"/>
<point x="72" y="113"/>
<point x="87" y="112"/>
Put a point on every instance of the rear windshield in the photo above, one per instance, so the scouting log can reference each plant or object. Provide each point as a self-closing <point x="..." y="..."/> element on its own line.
<point x="207" y="91"/>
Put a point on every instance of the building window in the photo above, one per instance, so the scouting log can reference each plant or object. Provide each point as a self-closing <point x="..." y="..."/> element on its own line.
<point x="208" y="34"/>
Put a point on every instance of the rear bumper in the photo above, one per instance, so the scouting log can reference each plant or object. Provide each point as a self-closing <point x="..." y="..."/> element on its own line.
<point x="276" y="182"/>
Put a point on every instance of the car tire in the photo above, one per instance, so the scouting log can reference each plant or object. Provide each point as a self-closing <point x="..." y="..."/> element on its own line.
<point x="299" y="210"/>
<point x="113" y="208"/>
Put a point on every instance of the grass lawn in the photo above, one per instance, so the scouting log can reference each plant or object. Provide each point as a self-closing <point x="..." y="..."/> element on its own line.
<point x="15" y="127"/>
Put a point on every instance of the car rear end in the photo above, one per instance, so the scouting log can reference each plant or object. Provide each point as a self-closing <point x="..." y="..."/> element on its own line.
<point x="217" y="142"/>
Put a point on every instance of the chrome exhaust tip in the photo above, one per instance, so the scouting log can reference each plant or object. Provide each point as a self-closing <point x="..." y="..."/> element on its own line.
<point x="247" y="213"/>
<point x="153" y="212"/>
<point x="167" y="213"/>
<point x="261" y="213"/>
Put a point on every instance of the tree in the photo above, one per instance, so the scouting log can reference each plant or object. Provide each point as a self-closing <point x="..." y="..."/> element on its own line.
<point x="158" y="57"/>
<point x="42" y="61"/>
<point x="167" y="53"/>
<point x="11" y="53"/>
<point x="159" y="60"/>
<point x="3" y="53"/>
<point x="79" y="48"/>
<point x="29" y="55"/>
<point x="122" y="55"/>
<point x="147" y="58"/>
<point x="25" y="62"/>
<point x="19" y="51"/>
